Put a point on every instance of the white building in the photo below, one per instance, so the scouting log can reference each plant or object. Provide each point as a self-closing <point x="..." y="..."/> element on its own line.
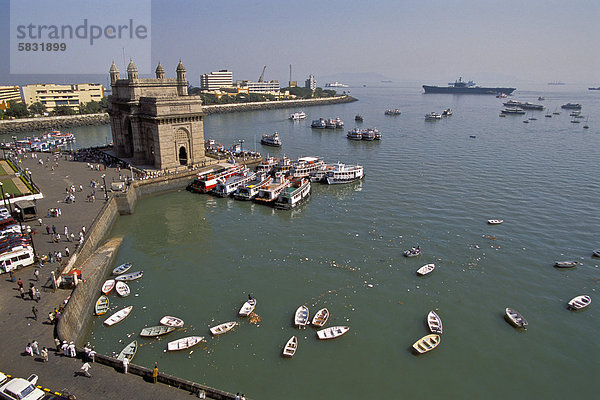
<point x="52" y="95"/>
<point x="310" y="83"/>
<point x="216" y="80"/>
<point x="271" y="87"/>
<point x="8" y="93"/>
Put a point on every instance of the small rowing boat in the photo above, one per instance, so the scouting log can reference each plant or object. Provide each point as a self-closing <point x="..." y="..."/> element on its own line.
<point x="427" y="343"/>
<point x="158" y="330"/>
<point x="580" y="302"/>
<point x="515" y="319"/>
<point x="171" y="321"/>
<point x="108" y="285"/>
<point x="425" y="269"/>
<point x="118" y="316"/>
<point x="332" y="332"/>
<point x="121" y="269"/>
<point x="412" y="252"/>
<point x="102" y="304"/>
<point x="290" y="347"/>
<point x="184" y="343"/>
<point x="301" y="316"/>
<point x="122" y="289"/>
<point x="321" y="317"/>
<point x="129" y="351"/>
<point x="223" y="328"/>
<point x="495" y="221"/>
<point x="565" y="264"/>
<point x="247" y="308"/>
<point x="596" y="253"/>
<point x="435" y="323"/>
<point x="130" y="277"/>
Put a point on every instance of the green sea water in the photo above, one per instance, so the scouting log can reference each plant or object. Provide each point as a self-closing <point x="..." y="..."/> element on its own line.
<point x="428" y="184"/>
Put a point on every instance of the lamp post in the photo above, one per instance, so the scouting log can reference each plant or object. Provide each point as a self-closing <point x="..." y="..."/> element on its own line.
<point x="3" y="198"/>
<point x="32" y="245"/>
<point x="8" y="200"/>
<point x="105" y="192"/>
<point x="18" y="211"/>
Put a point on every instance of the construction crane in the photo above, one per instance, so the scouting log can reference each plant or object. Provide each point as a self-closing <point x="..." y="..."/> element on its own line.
<point x="260" y="79"/>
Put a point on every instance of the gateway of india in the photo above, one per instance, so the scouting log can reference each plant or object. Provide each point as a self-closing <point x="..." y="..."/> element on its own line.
<point x="154" y="121"/>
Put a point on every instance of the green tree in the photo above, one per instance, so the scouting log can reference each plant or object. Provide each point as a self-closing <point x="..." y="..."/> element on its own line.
<point x="1" y="114"/>
<point x="91" y="107"/>
<point x="104" y="103"/>
<point x="16" y="110"/>
<point x="37" y="108"/>
<point x="64" y="110"/>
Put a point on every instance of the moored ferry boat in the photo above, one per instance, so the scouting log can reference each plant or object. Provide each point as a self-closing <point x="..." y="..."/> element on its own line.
<point x="298" y="116"/>
<point x="293" y="195"/>
<point x="394" y="111"/>
<point x="249" y="190"/>
<point x="369" y="134"/>
<point x="269" y="193"/>
<point x="205" y="182"/>
<point x="228" y="186"/>
<point x="343" y="173"/>
<point x="334" y="123"/>
<point x="267" y="165"/>
<point x="283" y="165"/>
<point x="432" y="116"/>
<point x="354" y="134"/>
<point x="320" y="123"/>
<point x="271" y="140"/>
<point x="321" y="174"/>
<point x="50" y="140"/>
<point x="304" y="166"/>
<point x="513" y="110"/>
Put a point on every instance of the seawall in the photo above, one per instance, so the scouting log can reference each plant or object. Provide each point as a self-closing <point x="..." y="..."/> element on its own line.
<point x="48" y="123"/>
<point x="269" y="105"/>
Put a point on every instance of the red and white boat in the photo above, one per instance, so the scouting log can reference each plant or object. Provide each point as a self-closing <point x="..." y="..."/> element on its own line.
<point x="269" y="193"/>
<point x="108" y="286"/>
<point x="206" y="182"/>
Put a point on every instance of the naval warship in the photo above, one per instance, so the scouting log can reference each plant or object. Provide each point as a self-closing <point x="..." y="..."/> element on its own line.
<point x="462" y="87"/>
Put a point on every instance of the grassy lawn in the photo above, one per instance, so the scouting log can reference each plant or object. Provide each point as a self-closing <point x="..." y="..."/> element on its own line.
<point x="3" y="172"/>
<point x="9" y="187"/>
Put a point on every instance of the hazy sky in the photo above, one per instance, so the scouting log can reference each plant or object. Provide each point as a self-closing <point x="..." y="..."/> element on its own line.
<point x="426" y="41"/>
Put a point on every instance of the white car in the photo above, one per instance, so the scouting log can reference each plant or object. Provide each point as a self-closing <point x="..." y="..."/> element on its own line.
<point x="21" y="389"/>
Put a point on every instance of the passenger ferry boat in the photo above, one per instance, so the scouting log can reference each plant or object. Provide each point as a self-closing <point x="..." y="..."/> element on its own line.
<point x="297" y="116"/>
<point x="304" y="166"/>
<point x="432" y="116"/>
<point x="334" y="123"/>
<point x="269" y="193"/>
<point x="319" y="123"/>
<point x="368" y="134"/>
<point x="271" y="140"/>
<point x="205" y="182"/>
<point x="343" y="173"/>
<point x="293" y="195"/>
<point x="267" y="165"/>
<point x="321" y="174"/>
<point x="249" y="190"/>
<point x="395" y="111"/>
<point x="513" y="110"/>
<point x="571" y="106"/>
<point x="354" y="134"/>
<point x="283" y="165"/>
<point x="227" y="186"/>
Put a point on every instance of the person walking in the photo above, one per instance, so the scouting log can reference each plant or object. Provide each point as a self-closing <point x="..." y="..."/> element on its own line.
<point x="35" y="347"/>
<point x="36" y="274"/>
<point x="29" y="350"/>
<point x="20" y="283"/>
<point x="45" y="354"/>
<point x="57" y="344"/>
<point x="47" y="230"/>
<point x="85" y="369"/>
<point x="65" y="348"/>
<point x="32" y="292"/>
<point x="72" y="350"/>
<point x="54" y="229"/>
<point x="34" y="311"/>
<point x="155" y="373"/>
<point x="22" y="292"/>
<point x="38" y="296"/>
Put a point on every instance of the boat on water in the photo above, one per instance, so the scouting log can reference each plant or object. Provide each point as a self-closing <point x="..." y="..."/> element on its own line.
<point x="434" y="322"/>
<point x="369" y="134"/>
<point x="50" y="141"/>
<point x="282" y="165"/>
<point x="320" y="123"/>
<point x="121" y="269"/>
<point x="565" y="264"/>
<point x="293" y="195"/>
<point x="358" y="118"/>
<point x="184" y="343"/>
<point x="250" y="189"/>
<point x="301" y="317"/>
<point x="271" y="140"/>
<point x="321" y="174"/>
<point x="175" y="322"/>
<point x="462" y="87"/>
<point x="129" y="351"/>
<point x="514" y="318"/>
<point x="342" y="173"/>
<point x="118" y="316"/>
<point x="427" y="343"/>
<point x="596" y="253"/>
<point x="334" y="123"/>
<point x="525" y="105"/>
<point x="571" y="106"/>
<point x="267" y="165"/>
<point x="102" y="304"/>
<point x="290" y="347"/>
<point x="247" y="307"/>
<point x="108" y="286"/>
<point x="594" y="88"/>
<point x="426" y="269"/>
<point x="304" y="166"/>
<point x="332" y="332"/>
<point x="205" y="182"/>
<point x="297" y="116"/>
<point x="122" y="289"/>
<point x="580" y="302"/>
<point x="412" y="252"/>
<point x="432" y="116"/>
<point x="223" y="328"/>
<point x="269" y="193"/>
<point x="447" y="112"/>
<point x="354" y="134"/>
<point x="130" y="277"/>
<point x="321" y="317"/>
<point x="394" y="111"/>
<point x="513" y="110"/>
<point x="495" y="221"/>
<point x="158" y="330"/>
<point x="230" y="185"/>
<point x="335" y="84"/>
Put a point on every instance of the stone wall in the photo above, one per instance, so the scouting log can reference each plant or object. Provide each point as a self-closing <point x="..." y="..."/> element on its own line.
<point x="47" y="123"/>
<point x="268" y="105"/>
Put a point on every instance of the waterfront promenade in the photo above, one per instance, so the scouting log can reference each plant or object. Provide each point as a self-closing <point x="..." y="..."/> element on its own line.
<point x="17" y="325"/>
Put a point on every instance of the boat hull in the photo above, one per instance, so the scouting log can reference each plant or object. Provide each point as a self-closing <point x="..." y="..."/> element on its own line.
<point x="467" y="90"/>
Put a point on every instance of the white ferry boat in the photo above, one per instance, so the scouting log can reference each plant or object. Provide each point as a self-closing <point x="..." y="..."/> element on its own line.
<point x="283" y="165"/>
<point x="354" y="134"/>
<point x="271" y="140"/>
<point x="249" y="190"/>
<point x="228" y="186"/>
<point x="334" y="123"/>
<point x="343" y="173"/>
<point x="432" y="116"/>
<point x="267" y="165"/>
<point x="369" y="134"/>
<point x="321" y="174"/>
<point x="297" y="116"/>
<point x="269" y="193"/>
<point x="304" y="166"/>
<point x="51" y="140"/>
<point x="293" y="195"/>
<point x="335" y="84"/>
<point x="320" y="123"/>
<point x="204" y="183"/>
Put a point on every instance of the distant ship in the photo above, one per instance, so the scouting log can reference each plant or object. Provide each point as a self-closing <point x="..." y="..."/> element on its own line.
<point x="556" y="83"/>
<point x="335" y="84"/>
<point x="594" y="88"/>
<point x="461" y="87"/>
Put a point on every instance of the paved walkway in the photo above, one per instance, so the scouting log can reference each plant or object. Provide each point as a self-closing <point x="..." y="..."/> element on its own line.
<point x="17" y="325"/>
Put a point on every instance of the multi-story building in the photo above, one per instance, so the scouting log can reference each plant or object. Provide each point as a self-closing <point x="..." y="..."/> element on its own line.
<point x="310" y="83"/>
<point x="216" y="80"/>
<point x="52" y="95"/>
<point x="8" y="93"/>
<point x="271" y="87"/>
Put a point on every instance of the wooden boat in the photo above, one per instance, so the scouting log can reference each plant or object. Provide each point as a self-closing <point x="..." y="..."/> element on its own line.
<point x="580" y="302"/>
<point x="247" y="308"/>
<point x="515" y="319"/>
<point x="413" y="252"/>
<point x="495" y="221"/>
<point x="332" y="332"/>
<point x="102" y="305"/>
<point x="223" y="328"/>
<point x="184" y="343"/>
<point x="321" y="317"/>
<point x="130" y="277"/>
<point x="435" y="323"/>
<point x="108" y="285"/>
<point x="129" y="351"/>
<point x="290" y="347"/>
<point x="596" y="253"/>
<point x="121" y="269"/>
<point x="122" y="289"/>
<point x="171" y="321"/>
<point x="425" y="269"/>
<point x="565" y="264"/>
<point x="158" y="330"/>
<point x="118" y="316"/>
<point x="301" y="317"/>
<point x="427" y="343"/>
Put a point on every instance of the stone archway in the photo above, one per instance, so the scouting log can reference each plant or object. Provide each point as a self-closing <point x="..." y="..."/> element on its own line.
<point x="128" y="136"/>
<point x="183" y="157"/>
<point x="182" y="146"/>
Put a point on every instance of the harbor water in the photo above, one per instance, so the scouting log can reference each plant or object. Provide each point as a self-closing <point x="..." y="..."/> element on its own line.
<point x="428" y="183"/>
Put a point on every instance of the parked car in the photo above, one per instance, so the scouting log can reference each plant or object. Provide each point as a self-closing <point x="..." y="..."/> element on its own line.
<point x="21" y="389"/>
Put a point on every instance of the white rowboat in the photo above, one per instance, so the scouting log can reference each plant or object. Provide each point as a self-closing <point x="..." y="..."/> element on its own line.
<point x="290" y="347"/>
<point x="580" y="302"/>
<point x="184" y="343"/>
<point x="495" y="221"/>
<point x="427" y="343"/>
<point x="435" y="323"/>
<point x="515" y="319"/>
<point x="129" y="351"/>
<point x="332" y="332"/>
<point x="223" y="328"/>
<point x="102" y="305"/>
<point x="301" y="317"/>
<point x="121" y="269"/>
<point x="425" y="269"/>
<point x="118" y="316"/>
<point x="122" y="289"/>
<point x="321" y="317"/>
<point x="247" y="308"/>
<point x="171" y="321"/>
<point x="130" y="277"/>
<point x="158" y="330"/>
<point x="565" y="264"/>
<point x="108" y="286"/>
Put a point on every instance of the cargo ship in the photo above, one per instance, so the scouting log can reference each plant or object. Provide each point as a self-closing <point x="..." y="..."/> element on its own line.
<point x="462" y="87"/>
